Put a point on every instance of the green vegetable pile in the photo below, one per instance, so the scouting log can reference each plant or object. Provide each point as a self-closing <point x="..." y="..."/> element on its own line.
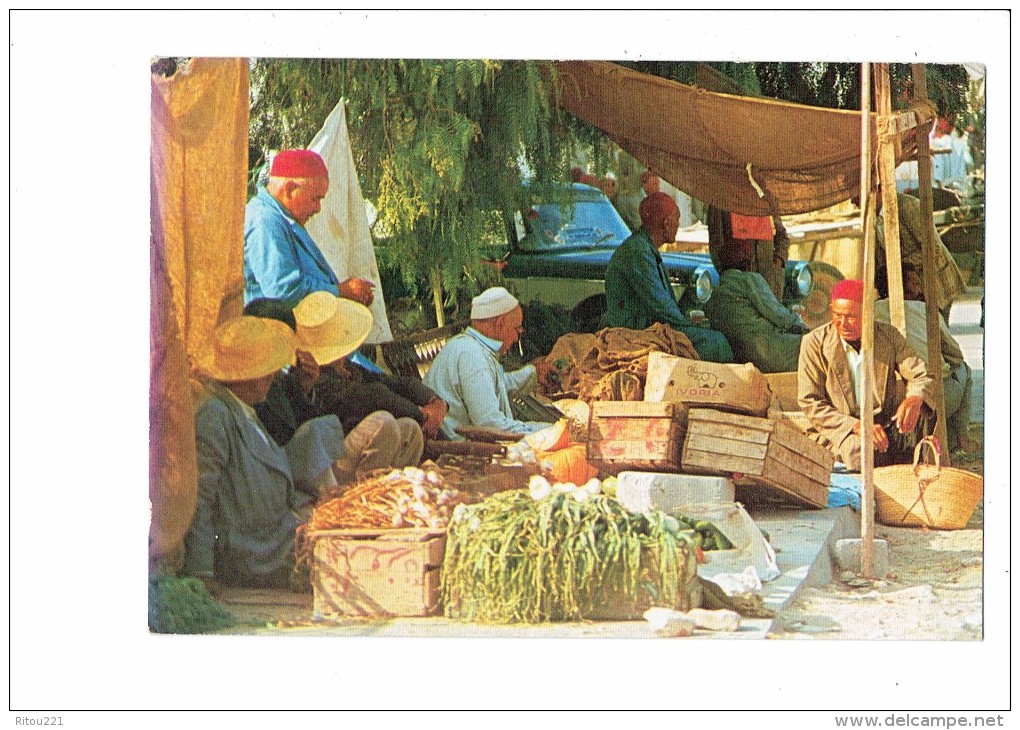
<point x="515" y="559"/>
<point x="184" y="606"/>
<point x="704" y="534"/>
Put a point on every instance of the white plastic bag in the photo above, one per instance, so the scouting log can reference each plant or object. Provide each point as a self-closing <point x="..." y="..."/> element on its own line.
<point x="750" y="548"/>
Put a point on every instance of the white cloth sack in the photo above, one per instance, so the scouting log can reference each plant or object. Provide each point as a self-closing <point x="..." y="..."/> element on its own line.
<point x="341" y="228"/>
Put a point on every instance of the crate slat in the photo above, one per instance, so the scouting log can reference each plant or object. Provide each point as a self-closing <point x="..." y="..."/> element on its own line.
<point x="768" y="454"/>
<point x="724" y="445"/>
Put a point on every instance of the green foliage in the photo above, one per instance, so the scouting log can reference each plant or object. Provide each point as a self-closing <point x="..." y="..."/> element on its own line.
<point x="184" y="606"/>
<point x="438" y="145"/>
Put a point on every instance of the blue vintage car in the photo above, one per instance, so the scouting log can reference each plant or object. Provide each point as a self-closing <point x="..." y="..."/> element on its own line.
<point x="559" y="252"/>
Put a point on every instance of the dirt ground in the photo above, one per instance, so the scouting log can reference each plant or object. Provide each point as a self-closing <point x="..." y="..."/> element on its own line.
<point x="933" y="590"/>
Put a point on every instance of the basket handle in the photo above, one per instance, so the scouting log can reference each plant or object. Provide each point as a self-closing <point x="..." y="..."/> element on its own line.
<point x="928" y="441"/>
<point x="922" y="483"/>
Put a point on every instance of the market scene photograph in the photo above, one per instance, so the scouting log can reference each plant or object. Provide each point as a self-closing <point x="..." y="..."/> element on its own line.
<point x="669" y="356"/>
<point x="478" y="347"/>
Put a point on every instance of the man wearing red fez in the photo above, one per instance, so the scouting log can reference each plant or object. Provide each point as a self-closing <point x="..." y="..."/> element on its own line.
<point x="638" y="292"/>
<point x="281" y="261"/>
<point x="829" y="384"/>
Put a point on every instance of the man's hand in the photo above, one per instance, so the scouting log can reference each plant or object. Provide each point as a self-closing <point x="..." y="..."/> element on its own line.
<point x="307" y="371"/>
<point x="908" y="413"/>
<point x="879" y="438"/>
<point x="358" y="290"/>
<point x="434" y="411"/>
<point x="543" y="368"/>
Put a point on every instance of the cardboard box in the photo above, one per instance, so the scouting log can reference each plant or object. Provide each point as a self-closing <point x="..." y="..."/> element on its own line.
<point x="737" y="388"/>
<point x="377" y="573"/>
<point x="766" y="458"/>
<point x="636" y="436"/>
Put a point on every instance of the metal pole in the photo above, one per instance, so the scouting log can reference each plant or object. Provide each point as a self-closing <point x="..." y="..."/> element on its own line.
<point x="867" y="332"/>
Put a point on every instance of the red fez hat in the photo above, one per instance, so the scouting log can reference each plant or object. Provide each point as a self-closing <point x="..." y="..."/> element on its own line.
<point x="851" y="290"/>
<point x="298" y="163"/>
<point x="655" y="207"/>
<point x="735" y="253"/>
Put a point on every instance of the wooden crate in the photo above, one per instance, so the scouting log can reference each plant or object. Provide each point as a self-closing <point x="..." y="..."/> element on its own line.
<point x="380" y="573"/>
<point x="636" y="436"/>
<point x="764" y="455"/>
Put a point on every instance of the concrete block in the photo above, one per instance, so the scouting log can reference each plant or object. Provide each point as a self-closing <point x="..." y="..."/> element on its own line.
<point x="641" y="491"/>
<point x="847" y="554"/>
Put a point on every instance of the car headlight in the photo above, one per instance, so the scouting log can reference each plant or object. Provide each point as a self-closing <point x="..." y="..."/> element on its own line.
<point x="702" y="282"/>
<point x="803" y="278"/>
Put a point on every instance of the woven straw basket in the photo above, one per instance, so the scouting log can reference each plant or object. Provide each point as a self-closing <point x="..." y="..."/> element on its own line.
<point x="926" y="495"/>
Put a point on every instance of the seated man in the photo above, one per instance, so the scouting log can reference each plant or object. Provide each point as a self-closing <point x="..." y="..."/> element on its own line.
<point x="758" y="327"/>
<point x="467" y="373"/>
<point x="242" y="532"/>
<point x="829" y="384"/>
<point x="956" y="373"/>
<point x="329" y="329"/>
<point x="638" y="292"/>
<point x="280" y="258"/>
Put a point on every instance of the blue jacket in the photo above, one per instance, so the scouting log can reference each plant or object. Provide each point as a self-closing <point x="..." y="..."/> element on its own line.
<point x="243" y="528"/>
<point x="281" y="261"/>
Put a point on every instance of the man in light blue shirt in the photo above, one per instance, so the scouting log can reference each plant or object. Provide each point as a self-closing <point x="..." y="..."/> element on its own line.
<point x="467" y="373"/>
<point x="281" y="261"/>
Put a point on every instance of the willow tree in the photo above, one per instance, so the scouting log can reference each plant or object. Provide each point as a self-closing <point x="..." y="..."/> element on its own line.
<point x="439" y="148"/>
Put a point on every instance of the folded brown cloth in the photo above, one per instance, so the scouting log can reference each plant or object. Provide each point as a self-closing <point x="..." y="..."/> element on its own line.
<point x="613" y="363"/>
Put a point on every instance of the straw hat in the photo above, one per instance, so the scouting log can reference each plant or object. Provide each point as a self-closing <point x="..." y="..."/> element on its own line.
<point x="247" y="348"/>
<point x="330" y="327"/>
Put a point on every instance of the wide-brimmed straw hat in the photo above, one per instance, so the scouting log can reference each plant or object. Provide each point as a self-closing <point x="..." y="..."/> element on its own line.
<point x="330" y="327"/>
<point x="247" y="348"/>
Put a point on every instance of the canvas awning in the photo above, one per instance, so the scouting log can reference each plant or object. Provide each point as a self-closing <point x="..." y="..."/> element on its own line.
<point x="806" y="158"/>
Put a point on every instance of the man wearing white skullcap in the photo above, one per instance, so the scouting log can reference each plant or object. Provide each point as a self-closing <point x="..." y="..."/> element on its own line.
<point x="467" y="373"/>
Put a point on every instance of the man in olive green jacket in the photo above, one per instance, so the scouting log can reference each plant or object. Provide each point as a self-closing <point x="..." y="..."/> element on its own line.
<point x="759" y="328"/>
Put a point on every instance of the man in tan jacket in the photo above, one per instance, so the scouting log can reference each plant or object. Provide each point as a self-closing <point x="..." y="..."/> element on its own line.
<point x="829" y="380"/>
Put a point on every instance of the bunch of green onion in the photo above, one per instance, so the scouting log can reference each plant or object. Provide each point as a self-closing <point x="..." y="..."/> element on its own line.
<point x="515" y="558"/>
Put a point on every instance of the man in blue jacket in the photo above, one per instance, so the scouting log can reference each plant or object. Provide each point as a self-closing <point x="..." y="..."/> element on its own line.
<point x="281" y="261"/>
<point x="638" y="292"/>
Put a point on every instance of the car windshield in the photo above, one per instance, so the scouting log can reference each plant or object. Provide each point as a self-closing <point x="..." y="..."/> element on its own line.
<point x="583" y="224"/>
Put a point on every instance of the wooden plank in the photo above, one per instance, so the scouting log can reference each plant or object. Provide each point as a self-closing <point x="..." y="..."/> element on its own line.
<point x="725" y="430"/>
<point x="264" y="597"/>
<point x="720" y="464"/>
<point x="734" y="447"/>
<point x="633" y="428"/>
<point x="736" y="419"/>
<point x="795" y="461"/>
<point x="635" y="449"/>
<point x="633" y="408"/>
<point x="767" y="486"/>
<point x="787" y="435"/>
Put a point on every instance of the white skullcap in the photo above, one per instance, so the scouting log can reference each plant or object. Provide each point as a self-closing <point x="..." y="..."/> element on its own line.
<point x="492" y="303"/>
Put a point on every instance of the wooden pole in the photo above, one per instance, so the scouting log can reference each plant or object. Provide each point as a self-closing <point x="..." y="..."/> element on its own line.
<point x="890" y="207"/>
<point x="867" y="333"/>
<point x="929" y="265"/>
